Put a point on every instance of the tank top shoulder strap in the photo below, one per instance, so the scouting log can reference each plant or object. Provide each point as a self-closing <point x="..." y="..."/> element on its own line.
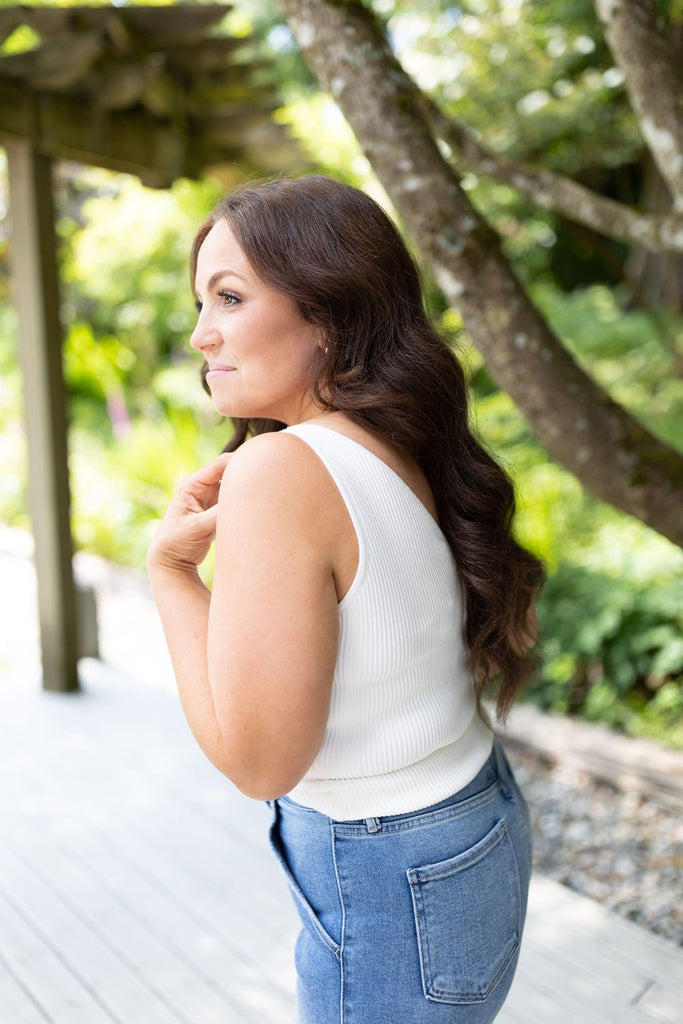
<point x="346" y="462"/>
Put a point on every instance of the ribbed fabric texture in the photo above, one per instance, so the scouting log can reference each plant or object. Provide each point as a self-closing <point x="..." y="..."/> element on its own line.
<point x="403" y="730"/>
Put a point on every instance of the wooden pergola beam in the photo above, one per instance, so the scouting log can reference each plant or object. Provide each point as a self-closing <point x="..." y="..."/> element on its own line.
<point x="63" y="129"/>
<point x="186" y="21"/>
<point x="136" y="142"/>
<point x="34" y="266"/>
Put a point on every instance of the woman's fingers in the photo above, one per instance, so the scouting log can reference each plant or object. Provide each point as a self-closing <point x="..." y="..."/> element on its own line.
<point x="212" y="471"/>
<point x="186" y="532"/>
<point x="203" y="485"/>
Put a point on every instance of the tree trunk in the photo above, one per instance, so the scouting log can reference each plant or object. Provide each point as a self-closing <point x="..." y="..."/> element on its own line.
<point x="656" y="276"/>
<point x="612" y="454"/>
<point x="644" y="48"/>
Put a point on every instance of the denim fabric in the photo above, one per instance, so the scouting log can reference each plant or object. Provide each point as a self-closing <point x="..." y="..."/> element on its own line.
<point x="409" y="918"/>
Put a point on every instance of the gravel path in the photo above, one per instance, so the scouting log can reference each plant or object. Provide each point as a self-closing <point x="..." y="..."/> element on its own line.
<point x="620" y="848"/>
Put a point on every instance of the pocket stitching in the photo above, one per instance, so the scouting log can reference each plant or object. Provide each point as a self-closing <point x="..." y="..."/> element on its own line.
<point x="416" y="880"/>
<point x="426" y="872"/>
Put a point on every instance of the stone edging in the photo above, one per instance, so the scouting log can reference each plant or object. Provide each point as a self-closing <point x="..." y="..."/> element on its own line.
<point x="626" y="763"/>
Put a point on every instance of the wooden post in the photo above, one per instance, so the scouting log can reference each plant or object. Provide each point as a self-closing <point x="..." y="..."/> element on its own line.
<point x="40" y="353"/>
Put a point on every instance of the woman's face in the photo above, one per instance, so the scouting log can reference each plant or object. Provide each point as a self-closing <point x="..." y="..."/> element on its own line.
<point x="255" y="341"/>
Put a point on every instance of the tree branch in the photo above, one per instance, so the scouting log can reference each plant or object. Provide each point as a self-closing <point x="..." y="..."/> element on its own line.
<point x="558" y="193"/>
<point x="609" y="451"/>
<point x="642" y="47"/>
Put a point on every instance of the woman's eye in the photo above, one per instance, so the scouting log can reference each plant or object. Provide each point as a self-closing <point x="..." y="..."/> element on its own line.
<point x="229" y="298"/>
<point x="198" y="306"/>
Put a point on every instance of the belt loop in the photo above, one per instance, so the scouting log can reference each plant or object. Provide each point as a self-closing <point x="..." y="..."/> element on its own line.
<point x="502" y="766"/>
<point x="373" y="824"/>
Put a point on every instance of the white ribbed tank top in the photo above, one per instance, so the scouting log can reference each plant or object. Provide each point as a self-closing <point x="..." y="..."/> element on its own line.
<point x="403" y="730"/>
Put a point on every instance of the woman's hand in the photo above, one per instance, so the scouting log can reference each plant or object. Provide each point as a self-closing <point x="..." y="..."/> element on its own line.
<point x="186" y="532"/>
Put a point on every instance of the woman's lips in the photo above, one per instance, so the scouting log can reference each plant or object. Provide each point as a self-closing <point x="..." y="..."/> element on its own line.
<point x="216" y="371"/>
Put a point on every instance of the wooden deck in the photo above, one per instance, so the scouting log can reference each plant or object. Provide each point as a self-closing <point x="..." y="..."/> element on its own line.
<point x="136" y="886"/>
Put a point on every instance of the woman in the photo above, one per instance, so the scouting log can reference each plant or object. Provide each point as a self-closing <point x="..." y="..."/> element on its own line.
<point x="367" y="594"/>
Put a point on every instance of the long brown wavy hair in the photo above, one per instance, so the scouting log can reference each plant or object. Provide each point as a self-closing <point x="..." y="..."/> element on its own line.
<point x="334" y="251"/>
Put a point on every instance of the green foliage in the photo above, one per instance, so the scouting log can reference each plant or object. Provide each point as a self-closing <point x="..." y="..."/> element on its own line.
<point x="127" y="298"/>
<point x="139" y="417"/>
<point x="12" y="441"/>
<point x="621" y="659"/>
<point x="533" y="77"/>
<point x="550" y="501"/>
<point x="534" y="80"/>
<point x="611" y="613"/>
<point x="635" y="356"/>
<point x="120" y="489"/>
<point x="22" y="39"/>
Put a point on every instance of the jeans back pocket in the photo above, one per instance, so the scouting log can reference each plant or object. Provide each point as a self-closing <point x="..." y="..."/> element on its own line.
<point x="468" y="915"/>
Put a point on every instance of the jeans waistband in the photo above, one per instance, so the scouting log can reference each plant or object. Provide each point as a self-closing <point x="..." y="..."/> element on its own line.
<point x="495" y="772"/>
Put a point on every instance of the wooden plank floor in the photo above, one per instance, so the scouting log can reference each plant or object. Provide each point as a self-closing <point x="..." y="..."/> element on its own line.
<point x="136" y="886"/>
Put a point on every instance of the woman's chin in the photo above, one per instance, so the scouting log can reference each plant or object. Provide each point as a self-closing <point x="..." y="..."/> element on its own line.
<point x="236" y="410"/>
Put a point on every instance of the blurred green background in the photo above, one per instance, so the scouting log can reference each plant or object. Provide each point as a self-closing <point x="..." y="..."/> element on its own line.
<point x="536" y="81"/>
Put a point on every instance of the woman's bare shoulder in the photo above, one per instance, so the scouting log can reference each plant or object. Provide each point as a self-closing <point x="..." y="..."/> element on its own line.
<point x="276" y="457"/>
<point x="280" y="468"/>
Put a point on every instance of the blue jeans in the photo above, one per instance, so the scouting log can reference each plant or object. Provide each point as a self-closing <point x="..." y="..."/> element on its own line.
<point x="414" y="917"/>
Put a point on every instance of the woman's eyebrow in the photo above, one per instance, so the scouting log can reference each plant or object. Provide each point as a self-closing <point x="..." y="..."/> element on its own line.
<point x="218" y="274"/>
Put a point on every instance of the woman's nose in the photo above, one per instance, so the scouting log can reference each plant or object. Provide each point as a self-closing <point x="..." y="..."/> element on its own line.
<point x="203" y="336"/>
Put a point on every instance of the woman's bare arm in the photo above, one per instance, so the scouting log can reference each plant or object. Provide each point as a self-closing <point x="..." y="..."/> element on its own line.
<point x="180" y="544"/>
<point x="254" y="659"/>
